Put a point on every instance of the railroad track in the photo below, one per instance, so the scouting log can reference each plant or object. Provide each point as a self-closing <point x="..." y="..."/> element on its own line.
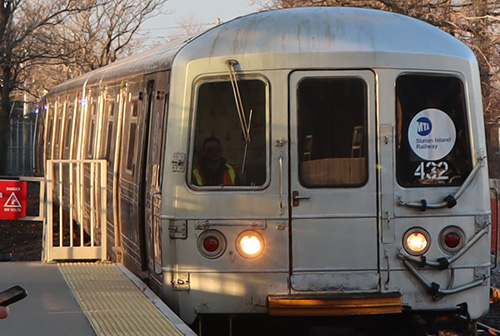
<point x="484" y="329"/>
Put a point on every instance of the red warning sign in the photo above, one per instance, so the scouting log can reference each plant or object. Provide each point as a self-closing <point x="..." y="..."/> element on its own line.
<point x="13" y="199"/>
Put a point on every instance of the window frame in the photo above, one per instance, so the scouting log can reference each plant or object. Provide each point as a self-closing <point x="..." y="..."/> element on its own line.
<point x="197" y="83"/>
<point x="109" y="107"/>
<point x="132" y="116"/>
<point x="465" y="119"/>
<point x="365" y="145"/>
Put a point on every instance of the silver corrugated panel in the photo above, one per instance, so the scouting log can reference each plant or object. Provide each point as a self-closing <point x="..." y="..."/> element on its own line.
<point x="112" y="303"/>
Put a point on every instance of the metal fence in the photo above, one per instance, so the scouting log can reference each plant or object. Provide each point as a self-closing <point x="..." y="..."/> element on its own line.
<point x="75" y="222"/>
<point x="20" y="160"/>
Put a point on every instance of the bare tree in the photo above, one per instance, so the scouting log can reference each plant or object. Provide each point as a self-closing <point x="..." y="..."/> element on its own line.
<point x="45" y="42"/>
<point x="100" y="36"/>
<point x="91" y="39"/>
<point x="189" y="26"/>
<point x="21" y="24"/>
<point x="24" y="41"/>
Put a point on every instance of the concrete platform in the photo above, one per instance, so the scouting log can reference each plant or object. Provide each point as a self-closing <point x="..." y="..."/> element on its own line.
<point x="83" y="300"/>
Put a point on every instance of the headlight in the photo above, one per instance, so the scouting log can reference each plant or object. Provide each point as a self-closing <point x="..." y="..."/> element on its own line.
<point x="250" y="244"/>
<point x="416" y="241"/>
<point x="211" y="244"/>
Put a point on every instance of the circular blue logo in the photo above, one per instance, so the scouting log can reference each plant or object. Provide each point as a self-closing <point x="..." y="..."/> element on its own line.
<point x="424" y="126"/>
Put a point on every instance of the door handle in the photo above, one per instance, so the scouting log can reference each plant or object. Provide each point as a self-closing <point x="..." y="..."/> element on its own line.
<point x="280" y="160"/>
<point x="296" y="198"/>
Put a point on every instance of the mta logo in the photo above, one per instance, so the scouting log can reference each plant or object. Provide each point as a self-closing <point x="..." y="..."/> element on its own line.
<point x="424" y="126"/>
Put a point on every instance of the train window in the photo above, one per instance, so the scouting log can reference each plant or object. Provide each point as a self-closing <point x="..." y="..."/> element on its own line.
<point x="131" y="149"/>
<point x="131" y="144"/>
<point x="92" y="130"/>
<point x="135" y="107"/>
<point x="110" y="106"/>
<point x="230" y="143"/>
<point x="433" y="145"/>
<point x="50" y="126"/>
<point x="59" y="127"/>
<point x="109" y="131"/>
<point x="76" y="131"/>
<point x="68" y="131"/>
<point x="109" y="139"/>
<point x="332" y="114"/>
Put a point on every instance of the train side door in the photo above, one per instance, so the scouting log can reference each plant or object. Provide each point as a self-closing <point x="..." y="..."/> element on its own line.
<point x="333" y="188"/>
<point x="157" y="95"/>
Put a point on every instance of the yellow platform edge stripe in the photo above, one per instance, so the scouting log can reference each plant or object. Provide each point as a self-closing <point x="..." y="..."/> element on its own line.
<point x="116" y="302"/>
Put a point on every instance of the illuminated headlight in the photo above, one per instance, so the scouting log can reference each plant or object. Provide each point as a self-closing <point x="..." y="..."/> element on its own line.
<point x="451" y="239"/>
<point x="211" y="244"/>
<point x="250" y="244"/>
<point x="416" y="241"/>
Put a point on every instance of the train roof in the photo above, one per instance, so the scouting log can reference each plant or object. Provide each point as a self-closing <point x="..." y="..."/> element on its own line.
<point x="333" y="30"/>
<point x="156" y="59"/>
<point x="299" y="31"/>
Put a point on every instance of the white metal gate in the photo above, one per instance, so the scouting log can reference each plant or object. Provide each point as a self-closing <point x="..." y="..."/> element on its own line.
<point x="75" y="225"/>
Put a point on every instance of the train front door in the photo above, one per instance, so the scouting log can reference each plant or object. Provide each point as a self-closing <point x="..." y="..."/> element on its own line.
<point x="333" y="184"/>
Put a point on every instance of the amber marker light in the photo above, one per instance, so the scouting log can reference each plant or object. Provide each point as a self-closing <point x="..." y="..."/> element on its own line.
<point x="250" y="244"/>
<point x="416" y="241"/>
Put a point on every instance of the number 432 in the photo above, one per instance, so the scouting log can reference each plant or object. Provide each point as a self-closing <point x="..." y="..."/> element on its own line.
<point x="432" y="170"/>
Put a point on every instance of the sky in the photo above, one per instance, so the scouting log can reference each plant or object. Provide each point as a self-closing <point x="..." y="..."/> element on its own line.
<point x="204" y="12"/>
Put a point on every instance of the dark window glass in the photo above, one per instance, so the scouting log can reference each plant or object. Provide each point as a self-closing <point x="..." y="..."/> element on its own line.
<point x="92" y="131"/>
<point x="110" y="106"/>
<point x="131" y="145"/>
<point x="133" y="110"/>
<point x="230" y="148"/>
<point x="432" y="132"/>
<point x="59" y="130"/>
<point x="109" y="109"/>
<point x="109" y="139"/>
<point x="332" y="131"/>
<point x="68" y="132"/>
<point x="50" y="128"/>
<point x="90" y="148"/>
<point x="135" y="107"/>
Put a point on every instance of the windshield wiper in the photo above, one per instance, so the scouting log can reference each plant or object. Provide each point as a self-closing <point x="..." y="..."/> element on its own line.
<point x="244" y="123"/>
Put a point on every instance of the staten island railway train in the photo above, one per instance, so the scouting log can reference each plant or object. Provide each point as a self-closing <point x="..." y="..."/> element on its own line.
<point x="307" y="161"/>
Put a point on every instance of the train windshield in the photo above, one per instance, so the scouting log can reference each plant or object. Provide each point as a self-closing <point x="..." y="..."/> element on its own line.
<point x="432" y="131"/>
<point x="230" y="142"/>
<point x="332" y="131"/>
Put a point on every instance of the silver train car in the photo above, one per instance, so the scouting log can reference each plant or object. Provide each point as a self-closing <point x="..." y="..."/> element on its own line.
<point x="300" y="162"/>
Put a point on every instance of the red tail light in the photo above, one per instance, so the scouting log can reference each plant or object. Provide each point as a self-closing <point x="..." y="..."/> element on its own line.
<point x="451" y="239"/>
<point x="212" y="244"/>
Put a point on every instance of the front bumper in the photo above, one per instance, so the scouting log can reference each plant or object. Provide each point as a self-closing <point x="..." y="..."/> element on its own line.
<point x="346" y="304"/>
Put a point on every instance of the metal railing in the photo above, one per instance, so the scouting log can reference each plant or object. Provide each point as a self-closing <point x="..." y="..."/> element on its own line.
<point x="75" y="225"/>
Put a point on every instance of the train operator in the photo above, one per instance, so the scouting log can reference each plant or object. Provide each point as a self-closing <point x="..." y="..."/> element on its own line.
<point x="213" y="169"/>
